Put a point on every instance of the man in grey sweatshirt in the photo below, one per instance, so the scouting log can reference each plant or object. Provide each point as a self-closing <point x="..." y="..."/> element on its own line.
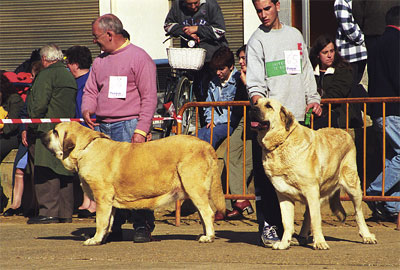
<point x="278" y="68"/>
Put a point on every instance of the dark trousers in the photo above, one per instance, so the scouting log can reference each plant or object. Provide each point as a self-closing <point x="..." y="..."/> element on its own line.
<point x="54" y="193"/>
<point x="267" y="204"/>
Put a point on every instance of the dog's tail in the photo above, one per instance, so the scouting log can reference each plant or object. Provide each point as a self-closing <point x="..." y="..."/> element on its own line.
<point x="217" y="195"/>
<point x="336" y="206"/>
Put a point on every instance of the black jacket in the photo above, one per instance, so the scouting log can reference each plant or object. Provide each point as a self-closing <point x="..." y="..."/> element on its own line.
<point x="384" y="72"/>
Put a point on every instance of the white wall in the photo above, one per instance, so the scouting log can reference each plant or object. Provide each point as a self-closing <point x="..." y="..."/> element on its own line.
<point x="251" y="20"/>
<point x="144" y="20"/>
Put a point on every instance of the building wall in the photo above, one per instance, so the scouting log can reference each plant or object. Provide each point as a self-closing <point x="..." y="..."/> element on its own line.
<point x="144" y="20"/>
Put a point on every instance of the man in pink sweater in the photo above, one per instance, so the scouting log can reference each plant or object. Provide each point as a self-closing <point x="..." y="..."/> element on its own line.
<point x="121" y="90"/>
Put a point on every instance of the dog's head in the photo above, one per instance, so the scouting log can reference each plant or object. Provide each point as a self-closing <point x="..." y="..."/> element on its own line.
<point x="272" y="121"/>
<point x="66" y="141"/>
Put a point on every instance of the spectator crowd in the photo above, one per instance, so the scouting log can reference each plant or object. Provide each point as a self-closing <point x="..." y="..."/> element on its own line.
<point x="116" y="93"/>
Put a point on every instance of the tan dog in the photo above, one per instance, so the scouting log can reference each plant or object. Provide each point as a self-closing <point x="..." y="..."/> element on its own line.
<point x="308" y="166"/>
<point x="139" y="176"/>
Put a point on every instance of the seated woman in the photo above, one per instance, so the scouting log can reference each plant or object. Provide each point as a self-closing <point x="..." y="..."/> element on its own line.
<point x="334" y="80"/>
<point x="223" y="87"/>
<point x="10" y="106"/>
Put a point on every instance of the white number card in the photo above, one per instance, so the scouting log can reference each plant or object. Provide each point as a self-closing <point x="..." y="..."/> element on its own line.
<point x="117" y="87"/>
<point x="292" y="62"/>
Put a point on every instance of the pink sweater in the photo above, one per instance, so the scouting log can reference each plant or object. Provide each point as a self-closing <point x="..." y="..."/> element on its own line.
<point x="141" y="95"/>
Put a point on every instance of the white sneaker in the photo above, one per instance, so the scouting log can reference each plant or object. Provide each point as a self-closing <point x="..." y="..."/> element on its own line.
<point x="269" y="236"/>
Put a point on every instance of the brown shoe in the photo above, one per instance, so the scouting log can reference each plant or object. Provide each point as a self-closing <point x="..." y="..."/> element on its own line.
<point x="244" y="206"/>
<point x="218" y="216"/>
<point x="235" y="214"/>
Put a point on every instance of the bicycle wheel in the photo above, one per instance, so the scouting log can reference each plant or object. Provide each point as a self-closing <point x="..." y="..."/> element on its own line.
<point x="183" y="94"/>
<point x="169" y="96"/>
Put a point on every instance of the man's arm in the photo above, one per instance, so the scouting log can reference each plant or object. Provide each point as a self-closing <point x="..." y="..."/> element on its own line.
<point x="172" y="25"/>
<point x="40" y="96"/>
<point x="147" y="87"/>
<point x="215" y="27"/>
<point x="345" y="18"/>
<point x="255" y="75"/>
<point x="89" y="98"/>
<point x="313" y="99"/>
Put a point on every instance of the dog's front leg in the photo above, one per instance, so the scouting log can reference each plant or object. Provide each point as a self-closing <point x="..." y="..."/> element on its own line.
<point x="103" y="215"/>
<point x="305" y="228"/>
<point x="287" y="211"/>
<point x="314" y="205"/>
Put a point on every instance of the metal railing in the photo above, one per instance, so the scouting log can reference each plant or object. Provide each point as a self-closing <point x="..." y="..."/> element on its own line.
<point x="326" y="102"/>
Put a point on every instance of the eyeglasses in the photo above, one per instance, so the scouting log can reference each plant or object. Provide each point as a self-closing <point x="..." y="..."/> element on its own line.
<point x="97" y="37"/>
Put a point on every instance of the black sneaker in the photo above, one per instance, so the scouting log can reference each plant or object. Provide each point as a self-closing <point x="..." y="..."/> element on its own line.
<point x="141" y="235"/>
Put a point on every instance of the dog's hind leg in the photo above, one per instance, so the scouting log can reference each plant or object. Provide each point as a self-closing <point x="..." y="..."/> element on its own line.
<point x="353" y="189"/>
<point x="199" y="192"/>
<point x="103" y="223"/>
<point x="336" y="206"/>
<point x="287" y="210"/>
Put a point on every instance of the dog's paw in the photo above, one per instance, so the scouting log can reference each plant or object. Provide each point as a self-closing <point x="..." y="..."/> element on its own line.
<point x="321" y="245"/>
<point x="206" y="239"/>
<point x="370" y="239"/>
<point x="91" y="242"/>
<point x="281" y="245"/>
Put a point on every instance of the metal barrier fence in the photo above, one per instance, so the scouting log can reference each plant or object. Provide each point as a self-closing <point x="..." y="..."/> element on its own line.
<point x="245" y="104"/>
<point x="326" y="102"/>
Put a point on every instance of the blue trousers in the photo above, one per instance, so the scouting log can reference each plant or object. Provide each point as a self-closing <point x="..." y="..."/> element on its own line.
<point x="392" y="163"/>
<point x="219" y="134"/>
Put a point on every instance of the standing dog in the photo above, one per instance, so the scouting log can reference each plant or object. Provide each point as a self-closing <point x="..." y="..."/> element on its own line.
<point x="308" y="166"/>
<point x="139" y="176"/>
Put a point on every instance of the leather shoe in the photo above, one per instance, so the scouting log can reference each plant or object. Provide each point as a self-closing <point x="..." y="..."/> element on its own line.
<point x="234" y="214"/>
<point x="11" y="212"/>
<point x="141" y="235"/>
<point x="86" y="214"/>
<point x="244" y="206"/>
<point x="42" y="220"/>
<point x="218" y="216"/>
<point x="65" y="220"/>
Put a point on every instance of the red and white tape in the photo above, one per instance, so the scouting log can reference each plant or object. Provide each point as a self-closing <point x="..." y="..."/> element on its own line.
<point x="59" y="120"/>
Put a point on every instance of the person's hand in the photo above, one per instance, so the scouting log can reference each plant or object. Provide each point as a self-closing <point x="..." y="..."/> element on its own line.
<point x="86" y="116"/>
<point x="317" y="110"/>
<point x="195" y="38"/>
<point x="138" y="138"/>
<point x="243" y="77"/>
<point x="189" y="30"/>
<point x="209" y="125"/>
<point x="149" y="136"/>
<point x="24" y="138"/>
<point x="254" y="99"/>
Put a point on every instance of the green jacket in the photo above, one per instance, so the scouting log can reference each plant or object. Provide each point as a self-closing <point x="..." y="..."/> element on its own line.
<point x="337" y="83"/>
<point x="13" y="106"/>
<point x="52" y="95"/>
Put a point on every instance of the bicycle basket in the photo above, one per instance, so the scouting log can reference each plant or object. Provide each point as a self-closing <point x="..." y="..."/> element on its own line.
<point x="186" y="58"/>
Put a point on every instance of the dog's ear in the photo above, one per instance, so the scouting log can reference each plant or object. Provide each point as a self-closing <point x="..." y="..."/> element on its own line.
<point x="286" y="117"/>
<point x="68" y="144"/>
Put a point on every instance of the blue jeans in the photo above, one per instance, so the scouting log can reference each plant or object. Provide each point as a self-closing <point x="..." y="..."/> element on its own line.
<point x="219" y="133"/>
<point x="392" y="168"/>
<point x="122" y="132"/>
<point x="119" y="131"/>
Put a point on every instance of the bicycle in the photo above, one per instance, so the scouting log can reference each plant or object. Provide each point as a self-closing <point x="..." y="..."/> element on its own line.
<point x="179" y="90"/>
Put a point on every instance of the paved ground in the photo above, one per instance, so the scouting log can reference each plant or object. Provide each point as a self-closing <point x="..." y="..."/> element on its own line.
<point x="59" y="246"/>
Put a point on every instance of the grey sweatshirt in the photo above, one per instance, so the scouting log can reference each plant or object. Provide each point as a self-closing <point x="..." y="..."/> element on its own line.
<point x="266" y="73"/>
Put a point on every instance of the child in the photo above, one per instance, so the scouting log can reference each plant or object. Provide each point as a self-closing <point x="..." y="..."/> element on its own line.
<point x="223" y="87"/>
